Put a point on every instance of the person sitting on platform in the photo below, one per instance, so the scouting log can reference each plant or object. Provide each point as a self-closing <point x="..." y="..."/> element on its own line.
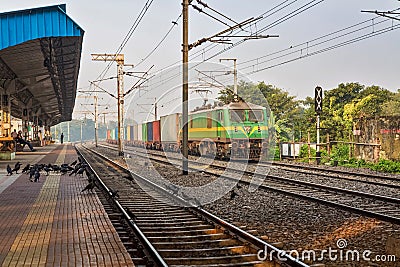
<point x="22" y="141"/>
<point x="14" y="134"/>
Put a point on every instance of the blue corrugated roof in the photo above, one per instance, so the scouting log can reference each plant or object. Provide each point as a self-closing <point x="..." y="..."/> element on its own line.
<point x="24" y="25"/>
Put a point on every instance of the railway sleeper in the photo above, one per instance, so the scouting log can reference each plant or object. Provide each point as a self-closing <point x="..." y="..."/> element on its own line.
<point x="199" y="252"/>
<point x="177" y="239"/>
<point x="217" y="243"/>
<point x="204" y="260"/>
<point x="185" y="232"/>
<point x="177" y="228"/>
<point x="161" y="223"/>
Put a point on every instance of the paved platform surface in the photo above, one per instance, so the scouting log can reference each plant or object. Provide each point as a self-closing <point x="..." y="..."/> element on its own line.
<point x="51" y="223"/>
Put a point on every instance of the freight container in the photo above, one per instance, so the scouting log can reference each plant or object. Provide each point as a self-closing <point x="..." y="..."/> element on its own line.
<point x="128" y="133"/>
<point x="131" y="133"/>
<point x="150" y="131"/>
<point x="144" y="132"/>
<point x="108" y="134"/>
<point x="116" y="133"/>
<point x="112" y="134"/>
<point x="135" y="132"/>
<point x="169" y="127"/>
<point x="139" y="136"/>
<point x="156" y="131"/>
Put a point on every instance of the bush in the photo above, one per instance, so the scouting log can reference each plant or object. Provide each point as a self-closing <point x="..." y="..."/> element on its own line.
<point x="340" y="153"/>
<point x="304" y="152"/>
<point x="386" y="166"/>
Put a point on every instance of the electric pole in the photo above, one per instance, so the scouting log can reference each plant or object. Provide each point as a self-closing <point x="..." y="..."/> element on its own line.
<point x="119" y="58"/>
<point x="185" y="86"/>
<point x="95" y="116"/>
<point x="185" y="60"/>
<point x="235" y="91"/>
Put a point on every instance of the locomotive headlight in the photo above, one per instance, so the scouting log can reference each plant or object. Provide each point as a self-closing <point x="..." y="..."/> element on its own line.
<point x="259" y="128"/>
<point x="235" y="129"/>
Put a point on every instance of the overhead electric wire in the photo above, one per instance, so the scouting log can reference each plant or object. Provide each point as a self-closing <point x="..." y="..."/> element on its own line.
<point x="271" y="25"/>
<point x="199" y="52"/>
<point x="313" y="44"/>
<point x="128" y="36"/>
<point x="270" y="12"/>
<point x="351" y="41"/>
<point x="174" y="23"/>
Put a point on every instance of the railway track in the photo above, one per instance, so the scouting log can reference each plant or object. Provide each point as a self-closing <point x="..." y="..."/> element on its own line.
<point x="173" y="235"/>
<point x="341" y="174"/>
<point x="367" y="204"/>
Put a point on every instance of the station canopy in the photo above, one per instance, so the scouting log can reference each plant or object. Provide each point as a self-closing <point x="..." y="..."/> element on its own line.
<point x="40" y="52"/>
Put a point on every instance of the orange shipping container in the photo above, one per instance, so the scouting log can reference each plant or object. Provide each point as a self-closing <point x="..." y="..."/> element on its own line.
<point x="156" y="131"/>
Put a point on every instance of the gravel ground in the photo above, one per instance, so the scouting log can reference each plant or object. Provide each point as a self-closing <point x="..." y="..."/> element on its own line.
<point x="291" y="223"/>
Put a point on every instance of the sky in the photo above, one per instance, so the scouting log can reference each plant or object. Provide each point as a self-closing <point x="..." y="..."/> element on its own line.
<point x="305" y="61"/>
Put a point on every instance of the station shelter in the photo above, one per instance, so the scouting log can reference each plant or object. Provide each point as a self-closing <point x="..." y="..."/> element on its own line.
<point x="40" y="52"/>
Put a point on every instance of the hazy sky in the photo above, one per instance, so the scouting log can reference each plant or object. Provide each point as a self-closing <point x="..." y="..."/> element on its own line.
<point x="371" y="61"/>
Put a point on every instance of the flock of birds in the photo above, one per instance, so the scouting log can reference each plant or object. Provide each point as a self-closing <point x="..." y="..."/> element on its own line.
<point x="78" y="167"/>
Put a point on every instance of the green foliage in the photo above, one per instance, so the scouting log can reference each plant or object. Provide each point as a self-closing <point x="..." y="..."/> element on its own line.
<point x="340" y="153"/>
<point x="304" y="152"/>
<point x="386" y="166"/>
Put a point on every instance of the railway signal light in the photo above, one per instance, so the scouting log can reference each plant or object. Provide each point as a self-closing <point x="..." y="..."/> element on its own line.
<point x="318" y="99"/>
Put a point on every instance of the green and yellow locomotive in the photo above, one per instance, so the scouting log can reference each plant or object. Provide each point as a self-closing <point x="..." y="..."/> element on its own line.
<point x="238" y="130"/>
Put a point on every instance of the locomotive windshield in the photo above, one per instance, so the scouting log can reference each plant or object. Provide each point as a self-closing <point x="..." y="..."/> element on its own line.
<point x="255" y="115"/>
<point x="237" y="115"/>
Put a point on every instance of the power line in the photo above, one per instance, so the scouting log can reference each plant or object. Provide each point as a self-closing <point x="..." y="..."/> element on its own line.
<point x="270" y="12"/>
<point x="128" y="36"/>
<point x="174" y="23"/>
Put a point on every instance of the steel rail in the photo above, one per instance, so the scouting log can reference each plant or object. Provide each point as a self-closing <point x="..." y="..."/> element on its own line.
<point x="143" y="239"/>
<point x="228" y="226"/>
<point x="360" y="211"/>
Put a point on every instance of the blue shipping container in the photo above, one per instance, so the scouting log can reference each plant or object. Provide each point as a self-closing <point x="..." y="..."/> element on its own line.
<point x="150" y="131"/>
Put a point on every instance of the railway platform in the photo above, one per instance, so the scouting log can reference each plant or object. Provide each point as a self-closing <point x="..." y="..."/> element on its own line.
<point x="51" y="222"/>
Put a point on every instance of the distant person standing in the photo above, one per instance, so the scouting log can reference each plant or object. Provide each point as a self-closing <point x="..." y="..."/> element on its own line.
<point x="62" y="138"/>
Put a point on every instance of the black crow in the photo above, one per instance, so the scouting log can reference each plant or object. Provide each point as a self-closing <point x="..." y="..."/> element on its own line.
<point x="233" y="194"/>
<point x="64" y="170"/>
<point x="9" y="171"/>
<point x="17" y="167"/>
<point x="74" y="171"/>
<point x="81" y="170"/>
<point x="90" y="187"/>
<point x="114" y="193"/>
<point x="37" y="176"/>
<point x="47" y="170"/>
<point x="73" y="163"/>
<point x="17" y="164"/>
<point x="56" y="168"/>
<point x="32" y="173"/>
<point x="238" y="186"/>
<point x="26" y="169"/>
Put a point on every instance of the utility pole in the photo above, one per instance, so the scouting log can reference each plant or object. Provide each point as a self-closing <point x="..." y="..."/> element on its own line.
<point x="119" y="58"/>
<point x="185" y="60"/>
<point x="235" y="91"/>
<point x="68" y="132"/>
<point x="95" y="116"/>
<point x="185" y="86"/>
<point x="318" y="110"/>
